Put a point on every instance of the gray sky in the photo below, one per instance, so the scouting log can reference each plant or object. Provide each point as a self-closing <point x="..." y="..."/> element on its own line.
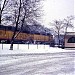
<point x="57" y="9"/>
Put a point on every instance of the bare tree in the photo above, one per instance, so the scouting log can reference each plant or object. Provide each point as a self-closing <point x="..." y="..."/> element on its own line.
<point x="2" y="6"/>
<point x="28" y="13"/>
<point x="57" y="27"/>
<point x="68" y="23"/>
<point x="12" y="40"/>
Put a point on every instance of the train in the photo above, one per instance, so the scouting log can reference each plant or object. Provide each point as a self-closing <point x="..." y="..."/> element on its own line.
<point x="24" y="37"/>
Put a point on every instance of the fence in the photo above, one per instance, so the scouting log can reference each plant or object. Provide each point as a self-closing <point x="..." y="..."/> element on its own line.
<point x="23" y="46"/>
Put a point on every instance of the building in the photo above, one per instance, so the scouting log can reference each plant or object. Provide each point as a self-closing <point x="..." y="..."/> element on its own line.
<point x="69" y="40"/>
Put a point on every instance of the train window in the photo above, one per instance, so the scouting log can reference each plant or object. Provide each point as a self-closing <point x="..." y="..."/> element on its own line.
<point x="71" y="40"/>
<point x="0" y="32"/>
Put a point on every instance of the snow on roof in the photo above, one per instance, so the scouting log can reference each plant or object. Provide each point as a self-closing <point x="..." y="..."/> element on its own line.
<point x="33" y="29"/>
<point x="70" y="33"/>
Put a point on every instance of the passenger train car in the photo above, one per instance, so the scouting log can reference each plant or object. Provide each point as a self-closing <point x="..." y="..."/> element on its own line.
<point x="6" y="33"/>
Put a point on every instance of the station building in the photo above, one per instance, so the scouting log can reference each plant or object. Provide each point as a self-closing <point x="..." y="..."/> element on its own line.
<point x="69" y="40"/>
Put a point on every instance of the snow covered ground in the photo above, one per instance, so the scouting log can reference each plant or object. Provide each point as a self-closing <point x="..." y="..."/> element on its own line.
<point x="38" y="64"/>
<point x="24" y="48"/>
<point x="37" y="60"/>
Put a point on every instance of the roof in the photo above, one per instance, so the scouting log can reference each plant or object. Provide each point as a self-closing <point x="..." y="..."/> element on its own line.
<point x="7" y="27"/>
<point x="70" y="33"/>
<point x="33" y="29"/>
<point x="38" y="29"/>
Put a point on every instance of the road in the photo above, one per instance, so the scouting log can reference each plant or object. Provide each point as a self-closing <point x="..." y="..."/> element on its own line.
<point x="38" y="64"/>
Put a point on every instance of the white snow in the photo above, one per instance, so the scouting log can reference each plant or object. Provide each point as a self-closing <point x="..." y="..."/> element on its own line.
<point x="24" y="48"/>
<point x="54" y="63"/>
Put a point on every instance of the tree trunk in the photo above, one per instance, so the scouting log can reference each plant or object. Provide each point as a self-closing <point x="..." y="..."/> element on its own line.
<point x="12" y="40"/>
<point x="0" y="18"/>
<point x="58" y="39"/>
<point x="66" y="29"/>
<point x="0" y="15"/>
<point x="11" y="47"/>
<point x="1" y="10"/>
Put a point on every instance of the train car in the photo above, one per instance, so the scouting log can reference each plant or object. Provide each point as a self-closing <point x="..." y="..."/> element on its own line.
<point x="6" y="33"/>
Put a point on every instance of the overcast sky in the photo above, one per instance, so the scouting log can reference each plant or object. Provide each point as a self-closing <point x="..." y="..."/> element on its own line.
<point x="57" y="9"/>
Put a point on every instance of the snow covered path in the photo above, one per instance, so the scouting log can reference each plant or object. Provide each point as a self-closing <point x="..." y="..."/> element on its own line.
<point x="62" y="63"/>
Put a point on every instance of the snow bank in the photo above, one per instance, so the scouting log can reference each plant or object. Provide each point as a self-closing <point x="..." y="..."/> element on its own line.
<point x="25" y="48"/>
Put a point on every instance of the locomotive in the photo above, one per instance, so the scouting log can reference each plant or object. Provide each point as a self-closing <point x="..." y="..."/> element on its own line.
<point x="24" y="37"/>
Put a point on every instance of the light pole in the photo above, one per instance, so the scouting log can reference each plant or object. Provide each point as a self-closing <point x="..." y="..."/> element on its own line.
<point x="44" y="39"/>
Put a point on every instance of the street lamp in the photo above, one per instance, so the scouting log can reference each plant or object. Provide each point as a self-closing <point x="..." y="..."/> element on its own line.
<point x="44" y="39"/>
